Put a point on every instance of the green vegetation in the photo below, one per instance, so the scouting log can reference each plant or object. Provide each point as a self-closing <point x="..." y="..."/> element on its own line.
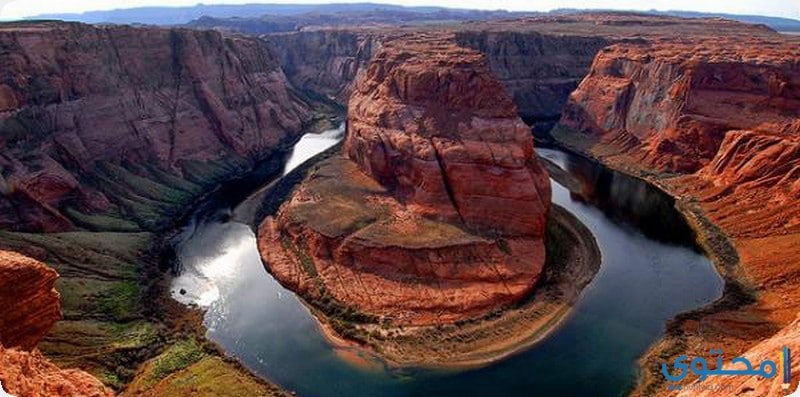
<point x="121" y="301"/>
<point x="110" y="221"/>
<point x="101" y="285"/>
<point x="142" y="186"/>
<point x="209" y="376"/>
<point x="176" y="357"/>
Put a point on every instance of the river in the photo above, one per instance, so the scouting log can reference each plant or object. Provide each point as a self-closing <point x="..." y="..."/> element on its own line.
<point x="651" y="270"/>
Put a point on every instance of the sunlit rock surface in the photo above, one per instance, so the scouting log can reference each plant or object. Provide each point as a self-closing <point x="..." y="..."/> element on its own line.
<point x="437" y="211"/>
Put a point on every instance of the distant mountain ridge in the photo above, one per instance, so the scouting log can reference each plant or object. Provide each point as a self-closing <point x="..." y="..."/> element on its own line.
<point x="184" y="15"/>
<point x="779" y="24"/>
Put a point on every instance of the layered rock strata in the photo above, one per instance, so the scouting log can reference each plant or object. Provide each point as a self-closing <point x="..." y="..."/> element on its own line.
<point x="436" y="213"/>
<point x="540" y="60"/>
<point x="717" y="124"/>
<point x="129" y="122"/>
<point x="29" y="301"/>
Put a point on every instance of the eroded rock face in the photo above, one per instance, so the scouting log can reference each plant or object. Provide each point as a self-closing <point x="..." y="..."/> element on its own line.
<point x="30" y="308"/>
<point x="538" y="69"/>
<point x="431" y="122"/>
<point x="671" y="103"/>
<point x="30" y="302"/>
<point x="30" y="374"/>
<point x="326" y="61"/>
<point x="437" y="211"/>
<point x="715" y="123"/>
<point x="123" y="120"/>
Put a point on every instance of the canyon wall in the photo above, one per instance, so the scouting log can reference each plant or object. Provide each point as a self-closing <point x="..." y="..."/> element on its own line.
<point x="439" y="195"/>
<point x="325" y="62"/>
<point x="111" y="133"/>
<point x="539" y="70"/>
<point x="672" y="103"/>
<point x="130" y="123"/>
<point x="540" y="60"/>
<point x="716" y="123"/>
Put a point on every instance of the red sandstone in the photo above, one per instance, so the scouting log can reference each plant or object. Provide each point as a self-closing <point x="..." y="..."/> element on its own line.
<point x="439" y="213"/>
<point x="716" y="123"/>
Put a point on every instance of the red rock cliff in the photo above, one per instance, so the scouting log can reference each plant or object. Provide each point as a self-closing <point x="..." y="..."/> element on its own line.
<point x="30" y="308"/>
<point x="671" y="103"/>
<point x="431" y="122"/>
<point x="438" y="212"/>
<point x="126" y="120"/>
<point x="30" y="302"/>
<point x="717" y="124"/>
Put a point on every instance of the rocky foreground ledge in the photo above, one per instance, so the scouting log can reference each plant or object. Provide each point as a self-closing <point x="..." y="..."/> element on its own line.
<point x="30" y="308"/>
<point x="436" y="214"/>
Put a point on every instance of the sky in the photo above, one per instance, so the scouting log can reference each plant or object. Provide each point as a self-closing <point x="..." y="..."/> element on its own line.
<point x="13" y="9"/>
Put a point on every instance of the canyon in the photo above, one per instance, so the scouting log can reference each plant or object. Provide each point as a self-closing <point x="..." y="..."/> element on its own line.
<point x="716" y="124"/>
<point x="113" y="127"/>
<point x="437" y="193"/>
<point x="110" y="133"/>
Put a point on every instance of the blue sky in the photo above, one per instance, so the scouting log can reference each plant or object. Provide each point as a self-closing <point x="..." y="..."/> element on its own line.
<point x="10" y="9"/>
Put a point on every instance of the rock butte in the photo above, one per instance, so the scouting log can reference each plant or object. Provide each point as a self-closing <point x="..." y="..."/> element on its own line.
<point x="438" y="211"/>
<point x="717" y="124"/>
<point x="30" y="308"/>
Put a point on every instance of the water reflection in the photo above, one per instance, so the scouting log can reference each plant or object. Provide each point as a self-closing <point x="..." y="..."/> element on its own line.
<point x="311" y="144"/>
<point x="641" y="284"/>
<point x="625" y="199"/>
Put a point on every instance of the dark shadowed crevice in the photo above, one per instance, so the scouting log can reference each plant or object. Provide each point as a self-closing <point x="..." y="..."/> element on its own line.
<point x="446" y="180"/>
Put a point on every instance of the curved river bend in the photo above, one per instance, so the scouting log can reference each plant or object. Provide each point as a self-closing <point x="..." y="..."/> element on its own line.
<point x="650" y="271"/>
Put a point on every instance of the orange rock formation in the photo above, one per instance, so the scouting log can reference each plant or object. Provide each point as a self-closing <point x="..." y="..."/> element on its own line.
<point x="717" y="124"/>
<point x="29" y="301"/>
<point x="30" y="374"/>
<point x="438" y="214"/>
<point x="30" y="308"/>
